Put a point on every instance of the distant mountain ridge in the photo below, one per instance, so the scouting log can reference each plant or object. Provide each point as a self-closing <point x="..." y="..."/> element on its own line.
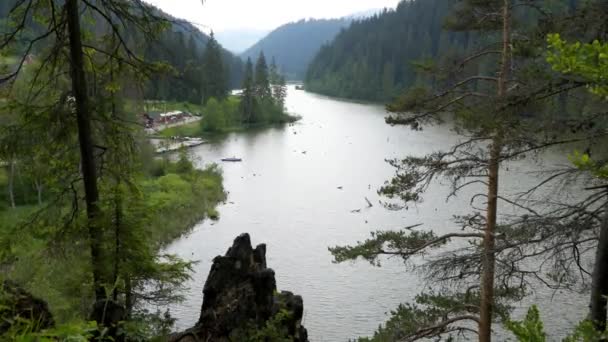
<point x="239" y="40"/>
<point x="294" y="45"/>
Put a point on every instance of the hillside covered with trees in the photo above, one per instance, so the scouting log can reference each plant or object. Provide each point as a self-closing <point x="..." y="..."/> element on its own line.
<point x="294" y="45"/>
<point x="181" y="47"/>
<point x="373" y="58"/>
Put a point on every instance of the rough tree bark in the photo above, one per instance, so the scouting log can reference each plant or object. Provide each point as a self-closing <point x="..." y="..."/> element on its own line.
<point x="489" y="257"/>
<point x="39" y="187"/>
<point x="89" y="172"/>
<point x="599" y="281"/>
<point x="117" y="244"/>
<point x="11" y="183"/>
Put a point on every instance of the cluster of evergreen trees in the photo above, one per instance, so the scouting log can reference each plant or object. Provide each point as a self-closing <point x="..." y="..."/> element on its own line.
<point x="201" y="67"/>
<point x="181" y="47"/>
<point x="372" y="59"/>
<point x="264" y="92"/>
<point x="377" y="58"/>
<point x="261" y="102"/>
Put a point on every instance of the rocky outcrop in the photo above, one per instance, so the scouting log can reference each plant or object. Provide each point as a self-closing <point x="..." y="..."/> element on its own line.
<point x="241" y="302"/>
<point x="18" y="306"/>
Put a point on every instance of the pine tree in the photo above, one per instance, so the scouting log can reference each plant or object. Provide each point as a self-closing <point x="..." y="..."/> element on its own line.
<point x="280" y="92"/>
<point x="273" y="77"/>
<point x="215" y="83"/>
<point x="248" y="97"/>
<point x="278" y="85"/>
<point x="262" y="79"/>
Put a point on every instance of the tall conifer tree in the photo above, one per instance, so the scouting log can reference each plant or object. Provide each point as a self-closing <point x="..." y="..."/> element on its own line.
<point x="215" y="83"/>
<point x="262" y="79"/>
<point x="248" y="97"/>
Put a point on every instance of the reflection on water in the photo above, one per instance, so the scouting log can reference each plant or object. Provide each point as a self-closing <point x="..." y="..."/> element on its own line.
<point x="295" y="191"/>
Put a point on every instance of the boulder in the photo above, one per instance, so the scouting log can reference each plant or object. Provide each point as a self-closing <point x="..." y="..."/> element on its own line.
<point x="240" y="300"/>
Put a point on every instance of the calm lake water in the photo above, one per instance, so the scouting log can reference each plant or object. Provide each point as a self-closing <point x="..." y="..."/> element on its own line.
<point x="286" y="194"/>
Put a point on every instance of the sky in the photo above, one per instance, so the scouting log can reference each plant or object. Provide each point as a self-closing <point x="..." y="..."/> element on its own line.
<point x="226" y="15"/>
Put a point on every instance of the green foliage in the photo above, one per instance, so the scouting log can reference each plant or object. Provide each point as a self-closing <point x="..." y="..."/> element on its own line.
<point x="403" y="243"/>
<point x="192" y="129"/>
<point x="274" y="330"/>
<point x="530" y="329"/>
<point x="26" y="331"/>
<point x="163" y="208"/>
<point x="201" y="68"/>
<point x="214" y="73"/>
<point x="585" y="163"/>
<point x="585" y="332"/>
<point x="148" y="326"/>
<point x="588" y="61"/>
<point x="261" y="80"/>
<point x="215" y="118"/>
<point x="376" y="58"/>
<point x="409" y="321"/>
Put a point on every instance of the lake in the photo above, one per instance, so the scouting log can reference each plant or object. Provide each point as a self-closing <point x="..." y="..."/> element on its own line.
<point x="296" y="191"/>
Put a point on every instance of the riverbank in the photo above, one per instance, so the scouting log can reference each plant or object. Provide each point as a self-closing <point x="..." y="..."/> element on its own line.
<point x="194" y="129"/>
<point x="166" y="204"/>
<point x="227" y="116"/>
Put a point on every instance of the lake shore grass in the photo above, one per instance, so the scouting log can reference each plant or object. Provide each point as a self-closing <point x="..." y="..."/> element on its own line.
<point x="194" y="129"/>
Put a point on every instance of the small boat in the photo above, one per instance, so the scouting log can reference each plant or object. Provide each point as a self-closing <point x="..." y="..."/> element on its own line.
<point x="233" y="160"/>
<point x="299" y="87"/>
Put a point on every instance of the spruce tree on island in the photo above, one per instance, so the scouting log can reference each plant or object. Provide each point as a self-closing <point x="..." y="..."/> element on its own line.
<point x="248" y="100"/>
<point x="262" y="79"/>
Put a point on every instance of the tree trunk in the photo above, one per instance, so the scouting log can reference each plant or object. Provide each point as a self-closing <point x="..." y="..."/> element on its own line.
<point x="128" y="297"/>
<point x="599" y="281"/>
<point x="11" y="183"/>
<point x="489" y="258"/>
<point x="38" y="191"/>
<point x="117" y="246"/>
<point x="89" y="173"/>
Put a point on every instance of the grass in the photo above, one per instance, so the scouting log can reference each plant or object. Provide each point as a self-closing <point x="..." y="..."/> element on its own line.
<point x="192" y="129"/>
<point x="8" y="60"/>
<point x="11" y="217"/>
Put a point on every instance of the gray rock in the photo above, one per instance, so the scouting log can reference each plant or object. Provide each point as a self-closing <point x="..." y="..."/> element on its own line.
<point x="240" y="296"/>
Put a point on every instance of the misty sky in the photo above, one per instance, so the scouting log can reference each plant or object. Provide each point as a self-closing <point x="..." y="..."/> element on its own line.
<point x="222" y="15"/>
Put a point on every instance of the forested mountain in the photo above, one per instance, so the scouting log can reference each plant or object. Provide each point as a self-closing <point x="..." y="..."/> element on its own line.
<point x="294" y="45"/>
<point x="181" y="46"/>
<point x="372" y="59"/>
<point x="377" y="57"/>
